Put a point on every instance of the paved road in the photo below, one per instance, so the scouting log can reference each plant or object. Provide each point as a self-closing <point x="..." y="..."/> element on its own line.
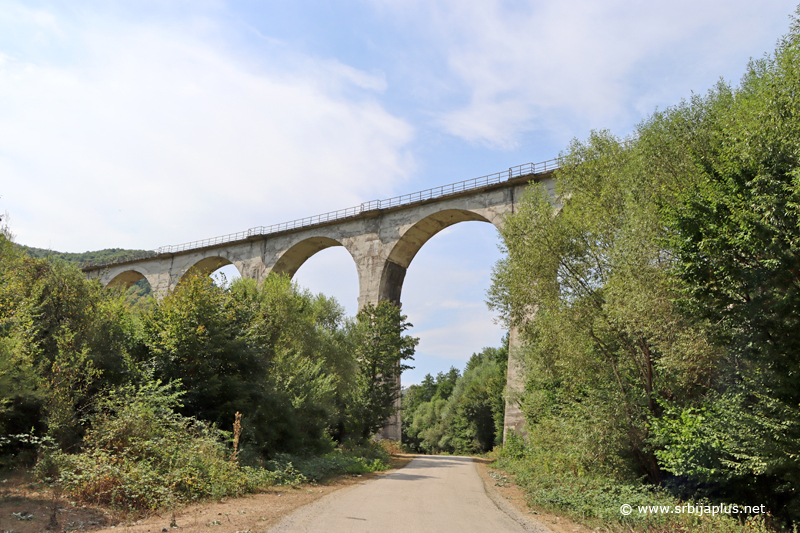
<point x="432" y="493"/>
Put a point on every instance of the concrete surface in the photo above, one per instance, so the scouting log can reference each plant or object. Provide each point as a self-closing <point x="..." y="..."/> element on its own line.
<point x="431" y="494"/>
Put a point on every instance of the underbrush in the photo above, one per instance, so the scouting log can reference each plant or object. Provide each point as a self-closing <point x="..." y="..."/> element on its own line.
<point x="551" y="485"/>
<point x="352" y="460"/>
<point x="141" y="455"/>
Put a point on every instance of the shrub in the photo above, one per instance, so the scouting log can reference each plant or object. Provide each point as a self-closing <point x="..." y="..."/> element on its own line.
<point x="514" y="447"/>
<point x="140" y="454"/>
<point x="371" y="457"/>
<point x="596" y="499"/>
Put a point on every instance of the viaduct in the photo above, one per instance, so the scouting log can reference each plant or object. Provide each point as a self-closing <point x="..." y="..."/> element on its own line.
<point x="382" y="236"/>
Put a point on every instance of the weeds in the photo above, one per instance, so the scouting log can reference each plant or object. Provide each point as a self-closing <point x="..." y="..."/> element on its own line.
<point x="237" y="432"/>
<point x="596" y="500"/>
<point x="141" y="455"/>
<point x="354" y="460"/>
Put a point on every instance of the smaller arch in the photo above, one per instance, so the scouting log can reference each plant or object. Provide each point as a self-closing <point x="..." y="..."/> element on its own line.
<point x="292" y="259"/>
<point x="206" y="267"/>
<point x="125" y="279"/>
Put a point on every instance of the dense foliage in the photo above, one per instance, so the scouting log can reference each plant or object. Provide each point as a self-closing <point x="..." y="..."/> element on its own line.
<point x="109" y="254"/>
<point x="128" y="398"/>
<point x="658" y="297"/>
<point x="458" y="414"/>
<point x="137" y="294"/>
<point x="139" y="453"/>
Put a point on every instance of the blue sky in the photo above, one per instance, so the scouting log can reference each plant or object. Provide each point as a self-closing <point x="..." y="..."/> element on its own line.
<point x="141" y="124"/>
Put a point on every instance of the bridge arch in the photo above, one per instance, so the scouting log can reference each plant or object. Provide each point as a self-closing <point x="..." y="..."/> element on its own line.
<point x="207" y="266"/>
<point x="125" y="279"/>
<point x="382" y="237"/>
<point x="292" y="259"/>
<point x="412" y="241"/>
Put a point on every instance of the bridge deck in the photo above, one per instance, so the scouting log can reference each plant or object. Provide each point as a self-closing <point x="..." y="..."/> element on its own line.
<point x="514" y="174"/>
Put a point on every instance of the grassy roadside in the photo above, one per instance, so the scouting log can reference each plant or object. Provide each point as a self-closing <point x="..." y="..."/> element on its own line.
<point x="594" y="504"/>
<point x="507" y="494"/>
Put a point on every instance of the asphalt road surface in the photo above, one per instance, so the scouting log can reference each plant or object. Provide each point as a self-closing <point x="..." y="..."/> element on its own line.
<point x="432" y="493"/>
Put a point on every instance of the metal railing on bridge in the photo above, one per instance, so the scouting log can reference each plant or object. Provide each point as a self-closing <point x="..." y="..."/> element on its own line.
<point x="372" y="205"/>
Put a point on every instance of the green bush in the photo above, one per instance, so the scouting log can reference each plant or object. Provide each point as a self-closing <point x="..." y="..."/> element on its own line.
<point x="357" y="460"/>
<point x="596" y="500"/>
<point x="514" y="447"/>
<point x="140" y="454"/>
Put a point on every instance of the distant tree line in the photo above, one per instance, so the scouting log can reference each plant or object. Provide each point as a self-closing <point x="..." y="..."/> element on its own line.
<point x="109" y="254"/>
<point x="136" y="295"/>
<point x="454" y="413"/>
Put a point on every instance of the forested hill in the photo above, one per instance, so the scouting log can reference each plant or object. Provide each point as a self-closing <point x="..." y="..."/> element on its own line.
<point x="136" y="295"/>
<point x="109" y="254"/>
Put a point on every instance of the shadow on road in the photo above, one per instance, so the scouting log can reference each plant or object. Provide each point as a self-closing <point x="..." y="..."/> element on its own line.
<point x="436" y="461"/>
<point x="407" y="477"/>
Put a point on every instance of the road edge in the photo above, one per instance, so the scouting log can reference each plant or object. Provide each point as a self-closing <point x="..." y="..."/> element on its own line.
<point x="530" y="523"/>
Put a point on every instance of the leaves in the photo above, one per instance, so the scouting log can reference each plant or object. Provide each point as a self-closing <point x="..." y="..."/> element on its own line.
<point x="659" y="293"/>
<point x="458" y="414"/>
<point x="380" y="349"/>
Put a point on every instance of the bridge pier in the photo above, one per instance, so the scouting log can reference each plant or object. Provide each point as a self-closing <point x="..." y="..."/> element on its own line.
<point x="514" y="419"/>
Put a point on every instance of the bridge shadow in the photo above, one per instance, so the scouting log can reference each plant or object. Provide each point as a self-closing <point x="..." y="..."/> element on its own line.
<point x="401" y="476"/>
<point x="427" y="462"/>
<point x="432" y="461"/>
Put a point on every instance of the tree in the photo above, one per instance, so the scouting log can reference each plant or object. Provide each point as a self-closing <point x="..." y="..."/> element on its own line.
<point x="380" y="348"/>
<point x="737" y="242"/>
<point x="591" y="292"/>
<point x="198" y="336"/>
<point x="62" y="339"/>
<point x="455" y="413"/>
<point x="446" y="382"/>
<point x="663" y="297"/>
<point x="273" y="352"/>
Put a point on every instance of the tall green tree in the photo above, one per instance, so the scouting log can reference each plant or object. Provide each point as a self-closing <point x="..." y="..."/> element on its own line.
<point x="198" y="335"/>
<point x="588" y="284"/>
<point x="381" y="349"/>
<point x="659" y="293"/>
<point x="62" y="338"/>
<point x="737" y="243"/>
<point x="272" y="352"/>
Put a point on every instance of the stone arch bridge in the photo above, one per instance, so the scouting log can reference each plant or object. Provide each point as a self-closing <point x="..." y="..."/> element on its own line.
<point x="382" y="237"/>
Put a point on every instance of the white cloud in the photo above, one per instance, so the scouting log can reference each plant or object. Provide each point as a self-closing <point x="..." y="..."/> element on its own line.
<point x="147" y="135"/>
<point x="459" y="341"/>
<point x="531" y="65"/>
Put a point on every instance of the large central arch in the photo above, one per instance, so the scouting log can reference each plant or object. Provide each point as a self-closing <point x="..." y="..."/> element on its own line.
<point x="412" y="241"/>
<point x="400" y="258"/>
